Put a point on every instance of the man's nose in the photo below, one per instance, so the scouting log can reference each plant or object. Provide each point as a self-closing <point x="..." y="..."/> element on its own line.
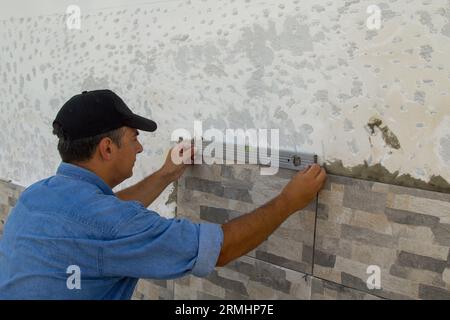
<point x="140" y="148"/>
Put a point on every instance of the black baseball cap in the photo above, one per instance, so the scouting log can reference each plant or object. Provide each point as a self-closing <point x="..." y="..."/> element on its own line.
<point x="95" y="112"/>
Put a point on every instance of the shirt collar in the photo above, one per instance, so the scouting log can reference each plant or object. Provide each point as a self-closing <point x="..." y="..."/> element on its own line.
<point x="74" y="171"/>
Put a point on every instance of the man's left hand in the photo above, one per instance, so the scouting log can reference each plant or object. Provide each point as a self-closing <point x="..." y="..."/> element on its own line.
<point x="178" y="159"/>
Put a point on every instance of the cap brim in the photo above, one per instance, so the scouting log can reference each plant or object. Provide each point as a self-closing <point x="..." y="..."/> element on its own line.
<point x="141" y="123"/>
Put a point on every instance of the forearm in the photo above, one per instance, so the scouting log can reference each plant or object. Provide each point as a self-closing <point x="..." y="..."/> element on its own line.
<point x="147" y="190"/>
<point x="245" y="233"/>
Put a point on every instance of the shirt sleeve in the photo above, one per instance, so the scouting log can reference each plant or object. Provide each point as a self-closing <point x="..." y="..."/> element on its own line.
<point x="150" y="246"/>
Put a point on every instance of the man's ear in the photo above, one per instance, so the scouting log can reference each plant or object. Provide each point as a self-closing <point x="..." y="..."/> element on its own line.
<point x="105" y="148"/>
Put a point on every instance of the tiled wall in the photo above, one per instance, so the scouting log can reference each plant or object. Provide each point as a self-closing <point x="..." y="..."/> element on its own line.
<point x="153" y="290"/>
<point x="9" y="193"/>
<point x="324" y="252"/>
<point x="321" y="252"/>
<point x="219" y="193"/>
<point x="406" y="232"/>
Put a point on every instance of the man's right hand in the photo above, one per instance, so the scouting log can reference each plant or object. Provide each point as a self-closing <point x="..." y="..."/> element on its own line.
<point x="302" y="188"/>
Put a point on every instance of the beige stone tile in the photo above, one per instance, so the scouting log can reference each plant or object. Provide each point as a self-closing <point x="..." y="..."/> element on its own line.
<point x="232" y="274"/>
<point x="355" y="268"/>
<point x="340" y="215"/>
<point x="258" y="291"/>
<point x="423" y="248"/>
<point x="328" y="244"/>
<point x="4" y="198"/>
<point x="212" y="289"/>
<point x="390" y="200"/>
<point x="373" y="221"/>
<point x="286" y="248"/>
<point x="398" y="285"/>
<point x="331" y="198"/>
<point x="336" y="187"/>
<point x="300" y="286"/>
<point x="372" y="255"/>
<point x="432" y="207"/>
<point x="204" y="198"/>
<point x="327" y="273"/>
<point x="401" y="202"/>
<point x="436" y="208"/>
<point x="426" y="277"/>
<point x="182" y="292"/>
<point x="380" y="187"/>
<point x="418" y="233"/>
<point x="328" y="228"/>
<point x="345" y="249"/>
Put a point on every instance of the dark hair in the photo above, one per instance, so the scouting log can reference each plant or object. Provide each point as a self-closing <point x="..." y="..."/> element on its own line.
<point x="79" y="150"/>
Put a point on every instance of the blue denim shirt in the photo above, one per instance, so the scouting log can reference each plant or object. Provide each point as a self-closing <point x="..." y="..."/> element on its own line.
<point x="75" y="219"/>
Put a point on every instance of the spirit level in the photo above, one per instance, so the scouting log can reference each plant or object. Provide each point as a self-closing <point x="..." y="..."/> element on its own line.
<point x="244" y="154"/>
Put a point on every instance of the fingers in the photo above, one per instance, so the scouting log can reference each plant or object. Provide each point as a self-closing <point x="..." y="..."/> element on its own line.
<point x="188" y="155"/>
<point x="322" y="175"/>
<point x="181" y="153"/>
<point x="313" y="170"/>
<point x="176" y="155"/>
<point x="306" y="169"/>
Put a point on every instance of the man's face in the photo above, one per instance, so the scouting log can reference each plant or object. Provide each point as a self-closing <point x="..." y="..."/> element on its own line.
<point x="126" y="154"/>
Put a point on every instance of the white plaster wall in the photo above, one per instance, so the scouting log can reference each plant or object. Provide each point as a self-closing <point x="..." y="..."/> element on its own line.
<point x="310" y="68"/>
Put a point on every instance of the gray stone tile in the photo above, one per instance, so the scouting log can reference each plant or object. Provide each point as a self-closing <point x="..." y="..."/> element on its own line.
<point x="203" y="185"/>
<point x="307" y="254"/>
<point x="366" y="236"/>
<point x="351" y="281"/>
<point x="399" y="271"/>
<point x="322" y="211"/>
<point x="229" y="284"/>
<point x="415" y="261"/>
<point x="432" y="293"/>
<point x="441" y="234"/>
<point x="237" y="194"/>
<point x="324" y="259"/>
<point x="271" y="276"/>
<point x="237" y="172"/>
<point x="216" y="215"/>
<point x="12" y="201"/>
<point x="364" y="200"/>
<point x="410" y="218"/>
<point x="218" y="189"/>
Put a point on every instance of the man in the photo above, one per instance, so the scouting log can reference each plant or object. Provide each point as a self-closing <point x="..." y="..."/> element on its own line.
<point x="70" y="237"/>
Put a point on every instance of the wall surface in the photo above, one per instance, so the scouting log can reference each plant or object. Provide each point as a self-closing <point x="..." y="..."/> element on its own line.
<point x="321" y="252"/>
<point x="356" y="231"/>
<point x="359" y="98"/>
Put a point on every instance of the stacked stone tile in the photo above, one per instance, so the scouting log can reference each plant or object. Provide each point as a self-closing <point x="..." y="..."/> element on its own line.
<point x="153" y="290"/>
<point x="9" y="193"/>
<point x="404" y="231"/>
<point x="321" y="252"/>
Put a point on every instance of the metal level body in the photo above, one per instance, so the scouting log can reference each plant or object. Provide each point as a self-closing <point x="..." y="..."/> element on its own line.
<point x="244" y="154"/>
